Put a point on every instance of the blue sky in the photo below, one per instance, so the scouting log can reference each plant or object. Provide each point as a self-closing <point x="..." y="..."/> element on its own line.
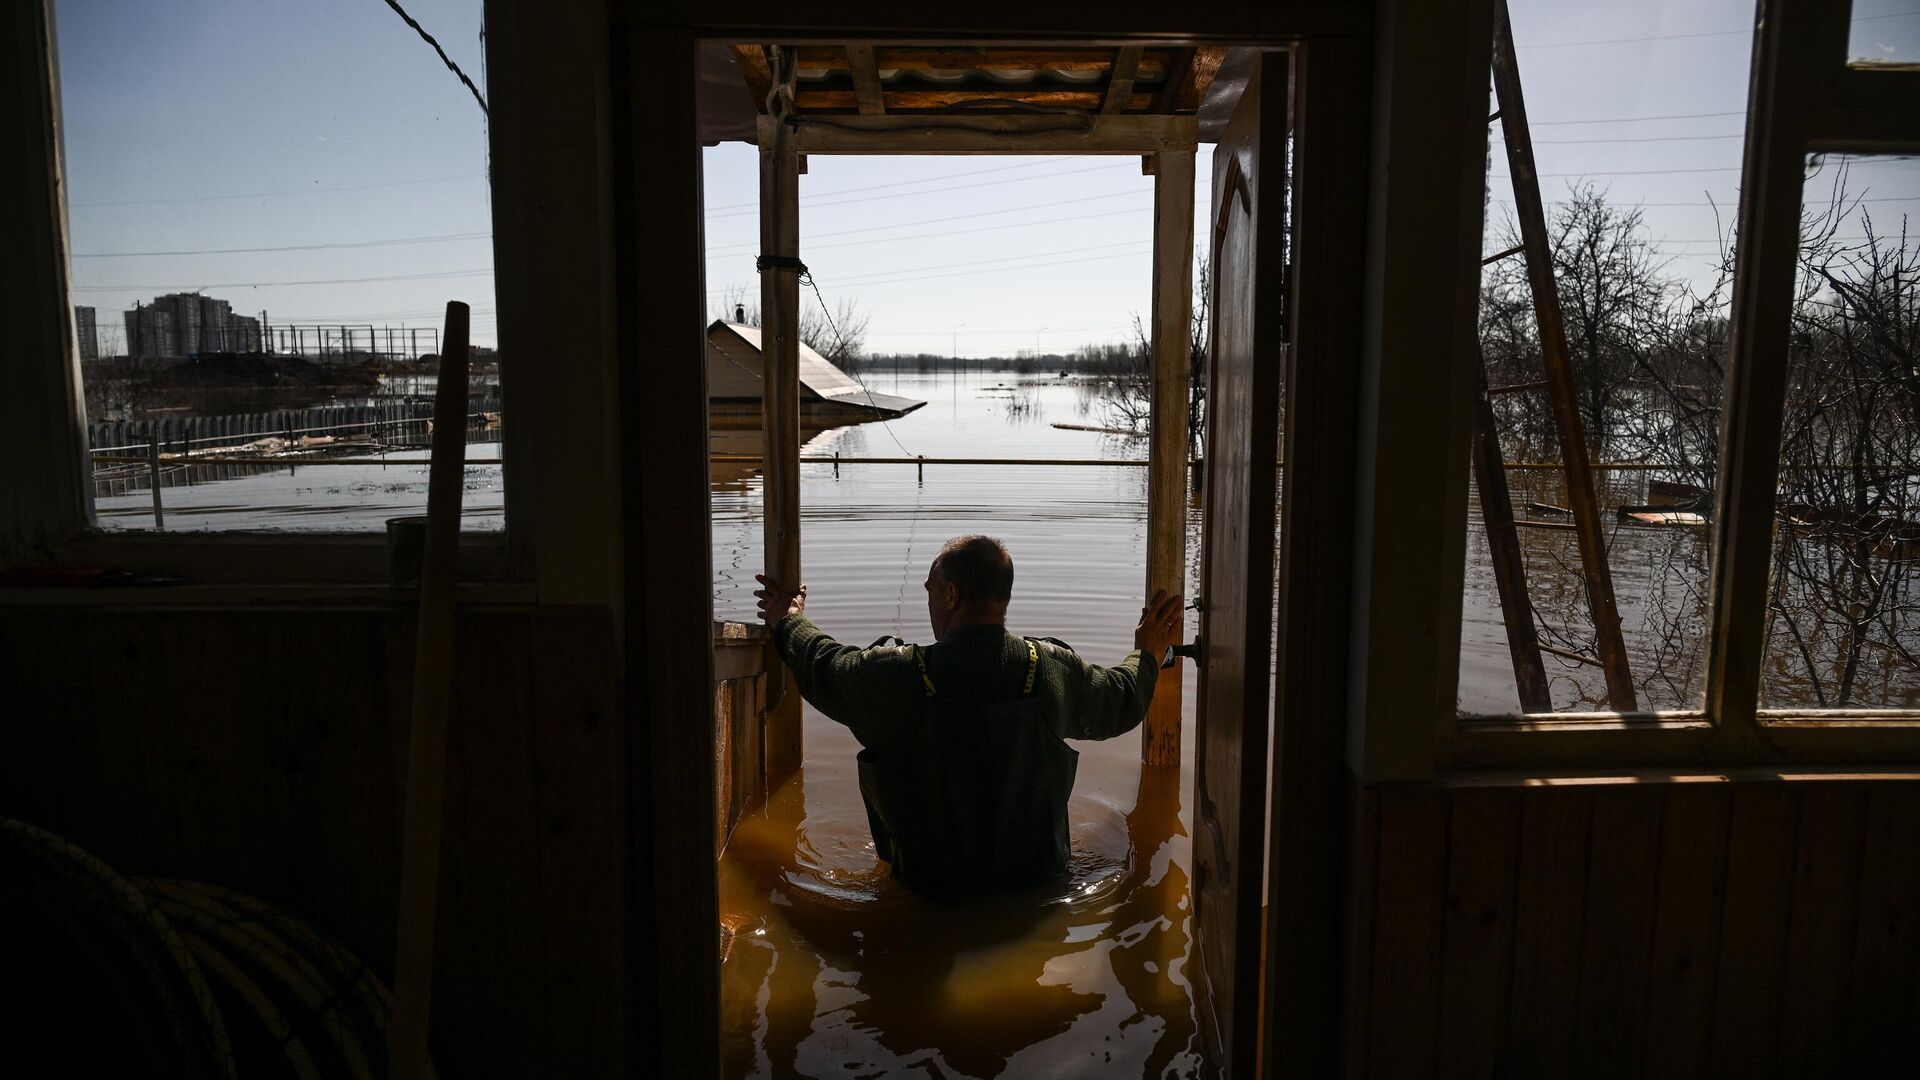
<point x="197" y="127"/>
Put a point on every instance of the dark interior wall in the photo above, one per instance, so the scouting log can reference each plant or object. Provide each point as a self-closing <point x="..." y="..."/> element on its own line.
<point x="1718" y="928"/>
<point x="264" y="750"/>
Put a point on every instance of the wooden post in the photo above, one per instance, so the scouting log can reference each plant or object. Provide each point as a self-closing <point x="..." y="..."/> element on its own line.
<point x="1167" y="464"/>
<point x="432" y="704"/>
<point x="153" y="479"/>
<point x="1585" y="505"/>
<point x="780" y="401"/>
<point x="1509" y="565"/>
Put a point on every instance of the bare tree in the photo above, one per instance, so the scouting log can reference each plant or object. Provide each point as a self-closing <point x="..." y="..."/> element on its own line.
<point x="841" y="336"/>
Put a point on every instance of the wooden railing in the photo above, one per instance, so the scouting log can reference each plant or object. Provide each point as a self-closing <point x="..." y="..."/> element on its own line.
<point x="740" y="696"/>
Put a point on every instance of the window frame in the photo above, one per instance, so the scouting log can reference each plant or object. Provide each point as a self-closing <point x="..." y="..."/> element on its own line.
<point x="546" y="150"/>
<point x="1804" y="97"/>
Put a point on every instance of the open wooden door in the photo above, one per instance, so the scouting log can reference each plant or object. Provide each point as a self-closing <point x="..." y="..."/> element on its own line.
<point x="1249" y="321"/>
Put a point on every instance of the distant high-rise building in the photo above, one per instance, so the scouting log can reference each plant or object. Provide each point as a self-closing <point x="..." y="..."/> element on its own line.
<point x="86" y="332"/>
<point x="189" y="324"/>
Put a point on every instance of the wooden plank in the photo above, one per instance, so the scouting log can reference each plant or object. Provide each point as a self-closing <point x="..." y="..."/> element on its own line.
<point x="866" y="80"/>
<point x="1686" y="931"/>
<point x="947" y="58"/>
<point x="1550" y="906"/>
<point x="1748" y="997"/>
<point x="1358" y="900"/>
<point x="1413" y="424"/>
<point x="1119" y="92"/>
<point x="1820" y="930"/>
<point x="1193" y="91"/>
<point x="1622" y="862"/>
<point x="1877" y="1013"/>
<point x="1509" y="562"/>
<point x="1408" y="915"/>
<point x="1478" y="930"/>
<point x="752" y="62"/>
<point x="1178" y="80"/>
<point x="1324" y="286"/>
<point x="1237" y="579"/>
<point x="1581" y="498"/>
<point x="1167" y="469"/>
<point x="780" y="397"/>
<point x="1112" y="23"/>
<point x="1759" y="343"/>
<point x="43" y="425"/>
<point x="990" y="134"/>
<point x="666" y="610"/>
<point x="991" y="99"/>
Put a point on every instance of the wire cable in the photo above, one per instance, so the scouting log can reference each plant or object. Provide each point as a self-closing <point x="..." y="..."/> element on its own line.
<point x="444" y="58"/>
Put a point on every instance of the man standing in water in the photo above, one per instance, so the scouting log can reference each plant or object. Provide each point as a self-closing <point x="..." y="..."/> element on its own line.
<point x="963" y="768"/>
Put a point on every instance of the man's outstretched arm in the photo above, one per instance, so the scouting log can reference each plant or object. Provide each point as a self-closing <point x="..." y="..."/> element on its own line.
<point x="1109" y="702"/>
<point x="834" y="678"/>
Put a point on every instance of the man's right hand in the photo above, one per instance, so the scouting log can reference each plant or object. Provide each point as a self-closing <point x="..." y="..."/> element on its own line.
<point x="778" y="601"/>
<point x="1161" y="625"/>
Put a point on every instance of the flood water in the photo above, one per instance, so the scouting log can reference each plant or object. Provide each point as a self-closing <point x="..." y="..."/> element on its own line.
<point x="836" y="972"/>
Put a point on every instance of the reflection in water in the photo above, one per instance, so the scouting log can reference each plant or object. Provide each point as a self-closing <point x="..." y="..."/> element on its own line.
<point x="835" y="970"/>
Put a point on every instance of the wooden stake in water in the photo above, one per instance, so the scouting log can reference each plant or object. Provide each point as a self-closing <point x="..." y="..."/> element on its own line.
<point x="432" y="701"/>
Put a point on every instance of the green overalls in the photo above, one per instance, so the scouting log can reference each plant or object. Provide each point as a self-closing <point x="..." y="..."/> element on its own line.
<point x="964" y="770"/>
<point x="971" y="793"/>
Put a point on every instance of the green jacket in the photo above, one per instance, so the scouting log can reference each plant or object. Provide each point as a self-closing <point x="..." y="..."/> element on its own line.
<point x="963" y="767"/>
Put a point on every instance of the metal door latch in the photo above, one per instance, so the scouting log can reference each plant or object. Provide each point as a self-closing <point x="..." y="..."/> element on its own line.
<point x="1192" y="652"/>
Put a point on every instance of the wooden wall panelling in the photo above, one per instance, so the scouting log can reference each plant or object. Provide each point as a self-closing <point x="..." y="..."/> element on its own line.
<point x="1407" y="935"/>
<point x="1878" y="1009"/>
<point x="1622" y="859"/>
<point x="1820" y="926"/>
<point x="1549" y="905"/>
<point x="1483" y="848"/>
<point x="1686" y="930"/>
<point x="1753" y="928"/>
<point x="1358" y="907"/>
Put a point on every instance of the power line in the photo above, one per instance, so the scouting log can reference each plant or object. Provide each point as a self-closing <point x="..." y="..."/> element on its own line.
<point x="1015" y="259"/>
<point x="755" y="245"/>
<point x="928" y="191"/>
<point x="444" y="237"/>
<point x="1743" y="32"/>
<point x="481" y="272"/>
<point x="902" y="183"/>
<point x="1532" y="123"/>
<point x="444" y="58"/>
<point x="282" y="194"/>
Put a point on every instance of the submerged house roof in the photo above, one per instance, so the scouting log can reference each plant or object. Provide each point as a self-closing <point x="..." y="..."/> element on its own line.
<point x="733" y="374"/>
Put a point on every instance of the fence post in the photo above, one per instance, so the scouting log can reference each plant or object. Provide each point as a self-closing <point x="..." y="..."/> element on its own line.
<point x="153" y="478"/>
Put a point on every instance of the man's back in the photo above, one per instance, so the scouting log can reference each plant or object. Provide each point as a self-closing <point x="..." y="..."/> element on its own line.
<point x="963" y="767"/>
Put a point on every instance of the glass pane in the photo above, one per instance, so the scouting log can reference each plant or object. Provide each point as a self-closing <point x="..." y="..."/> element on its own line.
<point x="1637" y="139"/>
<point x="270" y="206"/>
<point x="1884" y="31"/>
<point x="1844" y="619"/>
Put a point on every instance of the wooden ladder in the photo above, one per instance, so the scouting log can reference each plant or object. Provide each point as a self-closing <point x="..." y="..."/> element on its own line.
<point x="1496" y="504"/>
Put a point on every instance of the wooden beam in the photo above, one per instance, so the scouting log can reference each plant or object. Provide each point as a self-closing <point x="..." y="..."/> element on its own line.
<point x="972" y="100"/>
<point x="1172" y="385"/>
<point x="43" y="421"/>
<point x="1206" y="65"/>
<point x="964" y="58"/>
<point x="1119" y="95"/>
<point x="994" y="134"/>
<point x="780" y="396"/>
<point x="1179" y="81"/>
<point x="752" y="63"/>
<point x="1509" y="562"/>
<point x="1759" y="344"/>
<point x="1325" y="285"/>
<point x="866" y="80"/>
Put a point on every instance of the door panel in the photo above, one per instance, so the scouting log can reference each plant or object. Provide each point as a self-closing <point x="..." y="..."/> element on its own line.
<point x="1237" y="563"/>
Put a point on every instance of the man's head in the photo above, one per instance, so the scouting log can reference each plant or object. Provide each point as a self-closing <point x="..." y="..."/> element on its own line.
<point x="970" y="583"/>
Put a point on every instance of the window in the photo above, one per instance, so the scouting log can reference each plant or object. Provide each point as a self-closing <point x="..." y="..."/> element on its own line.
<point x="269" y="207"/>
<point x="1843" y="612"/>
